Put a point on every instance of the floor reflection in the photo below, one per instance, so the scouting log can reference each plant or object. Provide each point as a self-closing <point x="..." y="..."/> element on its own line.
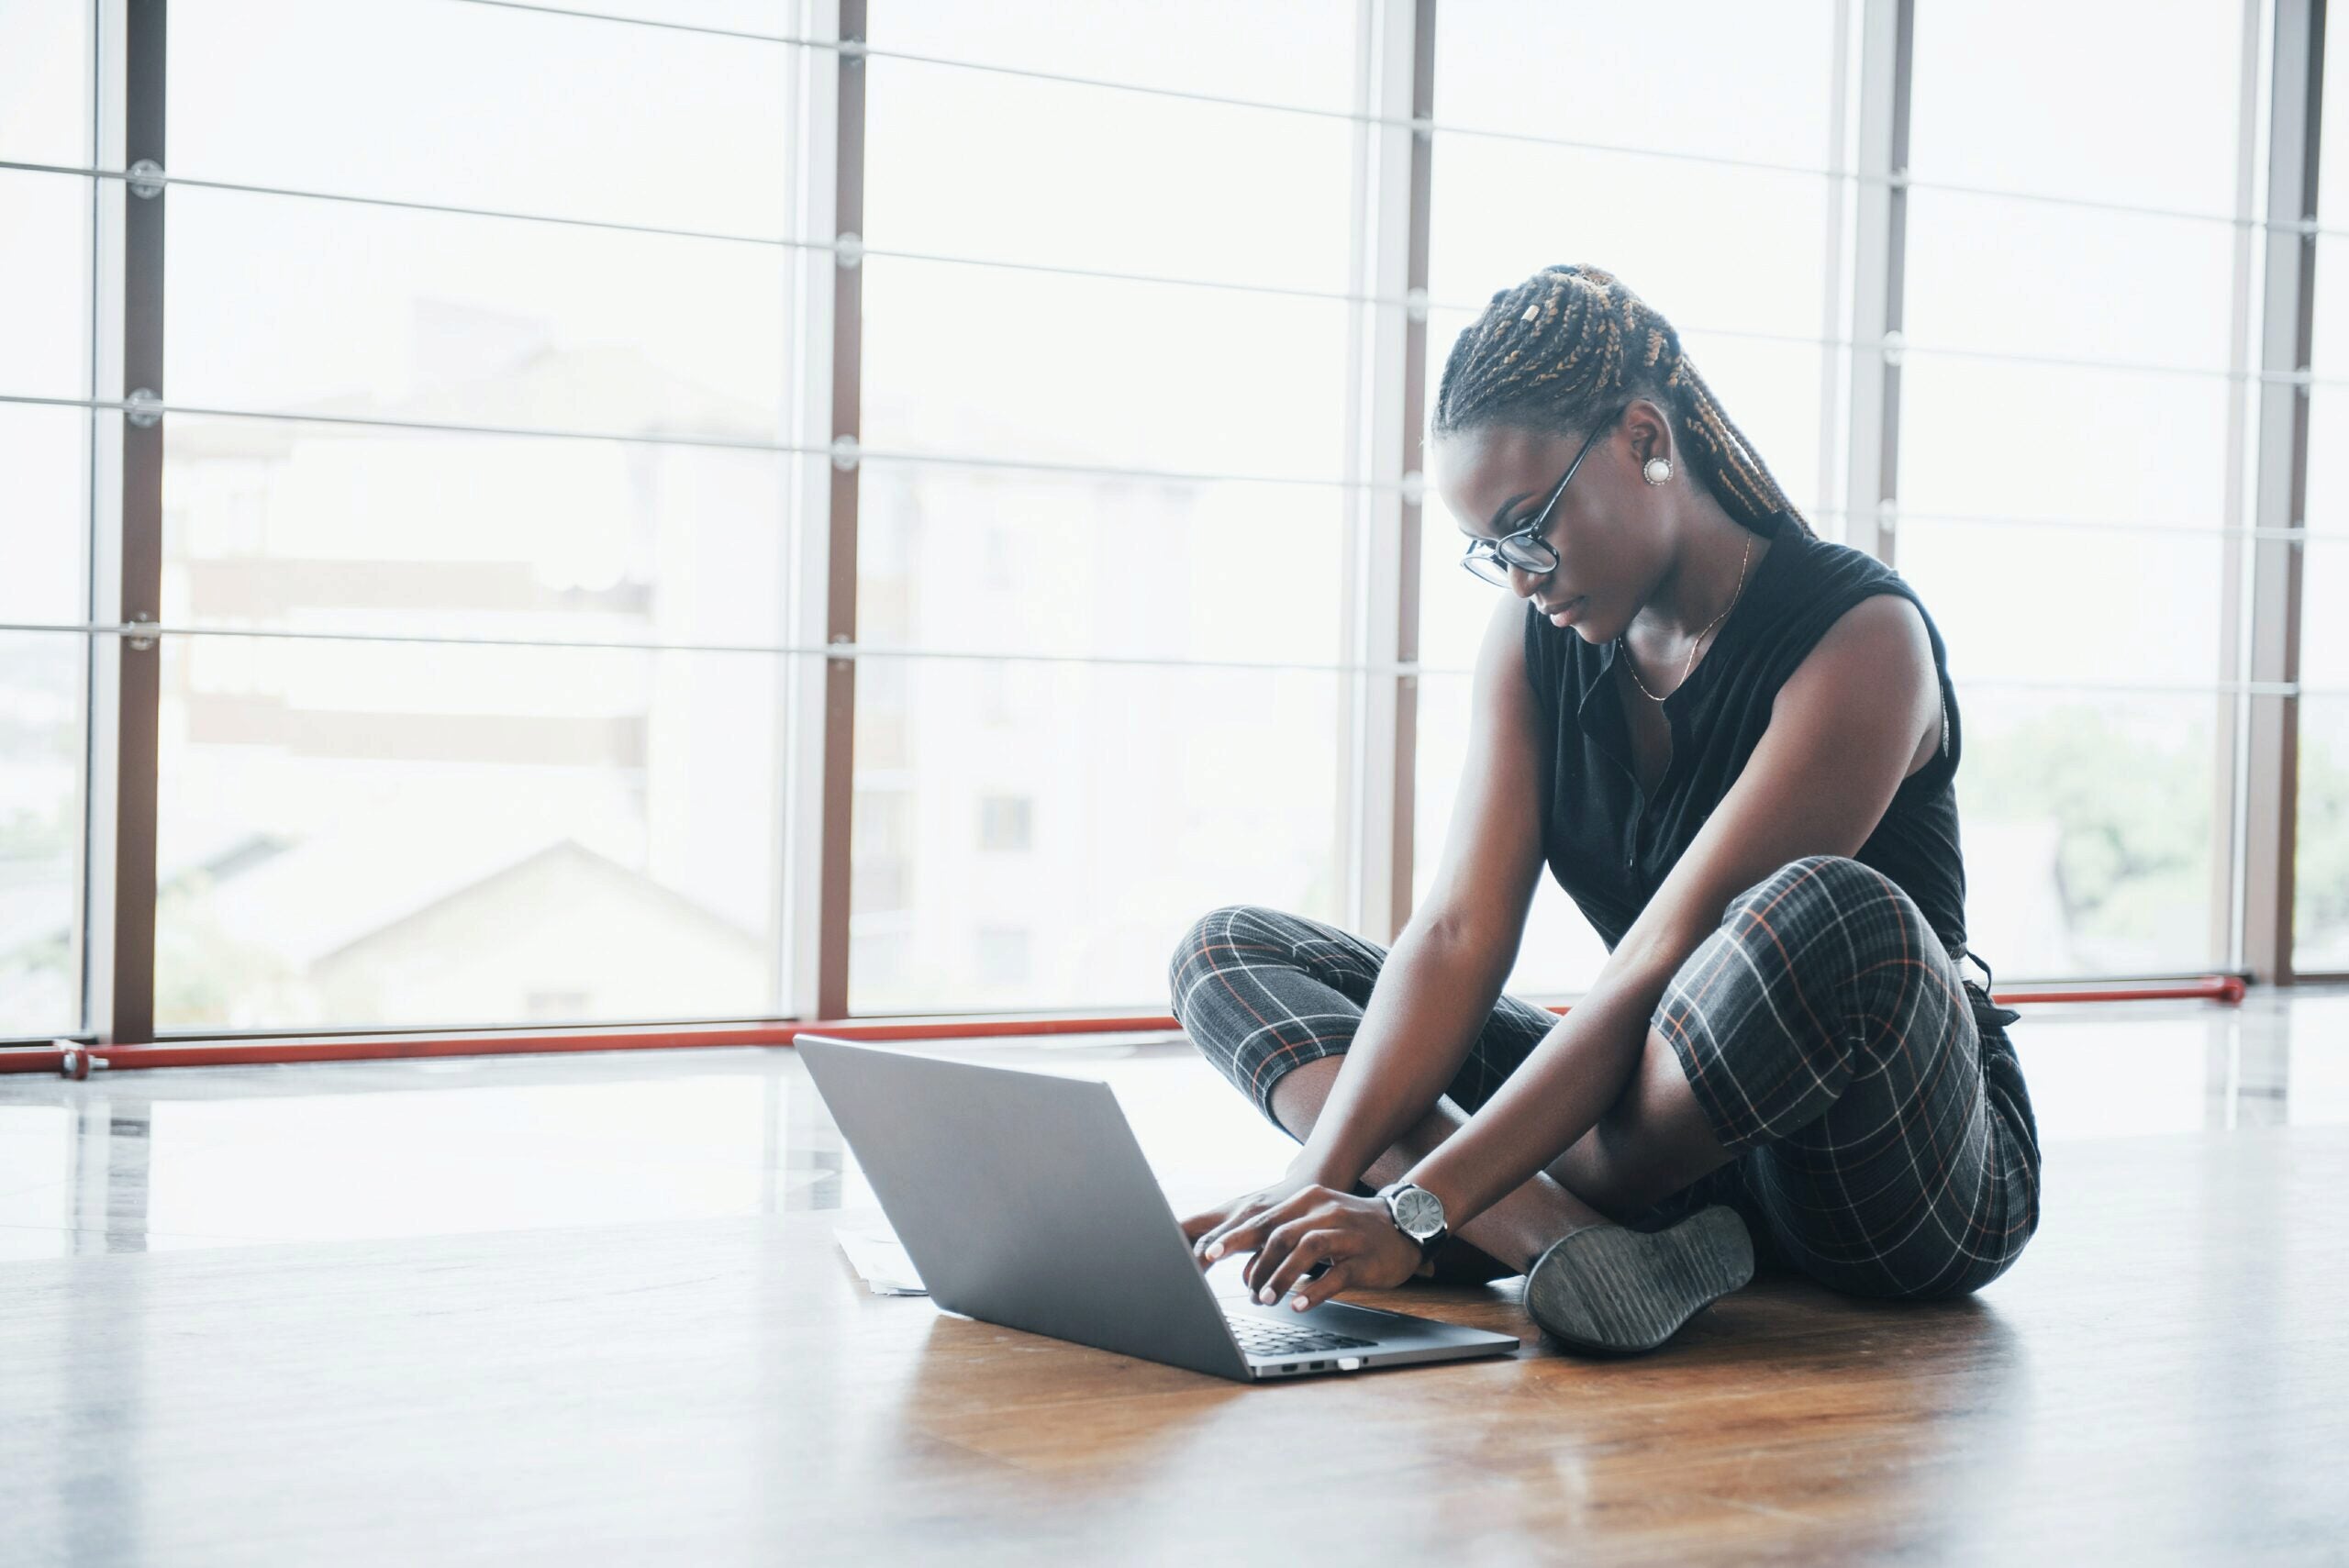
<point x="243" y="1156"/>
<point x="1910" y="1415"/>
<point x="1912" y="1418"/>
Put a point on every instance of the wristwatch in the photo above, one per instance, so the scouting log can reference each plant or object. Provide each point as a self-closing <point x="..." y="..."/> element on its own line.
<point x="1419" y="1214"/>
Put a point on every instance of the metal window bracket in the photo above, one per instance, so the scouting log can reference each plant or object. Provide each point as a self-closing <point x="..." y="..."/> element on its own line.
<point x="77" y="1061"/>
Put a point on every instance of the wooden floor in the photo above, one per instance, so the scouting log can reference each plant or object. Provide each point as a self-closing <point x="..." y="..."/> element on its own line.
<point x="199" y="1363"/>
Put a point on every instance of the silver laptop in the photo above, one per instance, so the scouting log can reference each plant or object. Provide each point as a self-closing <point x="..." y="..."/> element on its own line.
<point x="1023" y="1199"/>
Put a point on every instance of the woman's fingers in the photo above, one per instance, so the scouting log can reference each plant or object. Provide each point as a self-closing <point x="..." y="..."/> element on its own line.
<point x="1271" y="1248"/>
<point x="1310" y="1245"/>
<point x="1275" y="1250"/>
<point x="1312" y="1293"/>
<point x="1211" y="1242"/>
<point x="1201" y="1225"/>
<point x="1313" y="1248"/>
<point x="1246" y="1232"/>
<point x="1216" y="1242"/>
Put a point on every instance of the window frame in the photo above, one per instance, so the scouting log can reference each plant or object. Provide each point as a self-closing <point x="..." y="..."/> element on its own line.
<point x="2254" y="824"/>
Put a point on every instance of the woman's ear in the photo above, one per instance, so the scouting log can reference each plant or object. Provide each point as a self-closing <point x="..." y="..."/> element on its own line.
<point x="1649" y="434"/>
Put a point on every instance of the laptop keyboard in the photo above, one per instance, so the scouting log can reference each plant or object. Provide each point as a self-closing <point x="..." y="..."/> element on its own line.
<point x="1259" y="1337"/>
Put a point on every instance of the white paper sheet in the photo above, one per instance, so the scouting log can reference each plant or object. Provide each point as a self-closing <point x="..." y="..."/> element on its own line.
<point x="880" y="1260"/>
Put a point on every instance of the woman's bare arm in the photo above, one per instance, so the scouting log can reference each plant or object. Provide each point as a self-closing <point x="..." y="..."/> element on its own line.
<point x="1445" y="971"/>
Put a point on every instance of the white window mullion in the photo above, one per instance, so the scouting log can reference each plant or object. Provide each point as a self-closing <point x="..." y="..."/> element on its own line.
<point x="1379" y="620"/>
<point x="814" y="88"/>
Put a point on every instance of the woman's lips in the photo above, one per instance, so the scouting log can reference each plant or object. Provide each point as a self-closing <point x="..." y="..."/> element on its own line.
<point x="1565" y="616"/>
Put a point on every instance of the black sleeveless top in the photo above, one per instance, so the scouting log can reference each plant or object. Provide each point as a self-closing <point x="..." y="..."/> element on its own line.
<point x="1611" y="846"/>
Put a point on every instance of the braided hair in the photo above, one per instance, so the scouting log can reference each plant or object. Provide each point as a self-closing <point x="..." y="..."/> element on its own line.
<point x="1572" y="345"/>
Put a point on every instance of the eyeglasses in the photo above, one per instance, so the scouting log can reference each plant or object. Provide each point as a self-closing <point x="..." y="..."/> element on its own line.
<point x="1525" y="550"/>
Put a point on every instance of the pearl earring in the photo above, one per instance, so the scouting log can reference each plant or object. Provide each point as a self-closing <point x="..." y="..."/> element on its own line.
<point x="1657" y="471"/>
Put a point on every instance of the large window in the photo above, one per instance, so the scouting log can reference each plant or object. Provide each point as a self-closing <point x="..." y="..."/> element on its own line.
<point x="499" y="503"/>
<point x="1185" y="510"/>
<point x="46" y="215"/>
<point x="480" y="437"/>
<point x="2320" y="882"/>
<point x="2064" y="485"/>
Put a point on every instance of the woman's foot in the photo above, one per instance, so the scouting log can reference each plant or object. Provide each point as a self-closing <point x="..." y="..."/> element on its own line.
<point x="1604" y="1287"/>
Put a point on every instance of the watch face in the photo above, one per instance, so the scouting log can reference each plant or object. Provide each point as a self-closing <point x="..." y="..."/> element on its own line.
<point x="1419" y="1213"/>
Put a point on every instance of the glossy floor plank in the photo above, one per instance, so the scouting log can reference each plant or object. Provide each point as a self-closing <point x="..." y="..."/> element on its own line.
<point x="2163" y="1379"/>
<point x="593" y="1313"/>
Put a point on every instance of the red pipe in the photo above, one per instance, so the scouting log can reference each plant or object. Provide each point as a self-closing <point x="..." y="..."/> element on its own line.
<point x="248" y="1052"/>
<point x="2210" y="987"/>
<point x="242" y="1053"/>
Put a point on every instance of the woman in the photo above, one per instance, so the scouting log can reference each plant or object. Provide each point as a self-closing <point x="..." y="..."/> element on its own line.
<point x="1733" y="743"/>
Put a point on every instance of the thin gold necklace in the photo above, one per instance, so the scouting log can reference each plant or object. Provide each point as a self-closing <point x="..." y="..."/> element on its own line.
<point x="1717" y="620"/>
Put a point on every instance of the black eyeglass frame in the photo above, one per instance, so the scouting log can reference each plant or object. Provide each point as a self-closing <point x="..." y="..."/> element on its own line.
<point x="1529" y="538"/>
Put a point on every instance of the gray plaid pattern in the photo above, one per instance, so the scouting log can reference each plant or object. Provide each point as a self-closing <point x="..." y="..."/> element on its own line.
<point x="1882" y="1136"/>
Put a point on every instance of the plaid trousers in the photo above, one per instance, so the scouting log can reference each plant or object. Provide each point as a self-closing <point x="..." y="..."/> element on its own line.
<point x="1881" y="1135"/>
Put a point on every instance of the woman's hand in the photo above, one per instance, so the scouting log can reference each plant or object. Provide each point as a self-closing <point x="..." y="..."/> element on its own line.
<point x="1206" y="1230"/>
<point x="1295" y="1228"/>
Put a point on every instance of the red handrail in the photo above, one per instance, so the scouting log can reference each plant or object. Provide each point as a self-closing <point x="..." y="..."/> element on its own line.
<point x="74" y="1060"/>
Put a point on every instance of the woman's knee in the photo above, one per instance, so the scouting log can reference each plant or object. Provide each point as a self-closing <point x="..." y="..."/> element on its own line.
<point x="1780" y="998"/>
<point x="1831" y="909"/>
<point x="1811" y="879"/>
<point x="1227" y="933"/>
<point x="1207" y="990"/>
